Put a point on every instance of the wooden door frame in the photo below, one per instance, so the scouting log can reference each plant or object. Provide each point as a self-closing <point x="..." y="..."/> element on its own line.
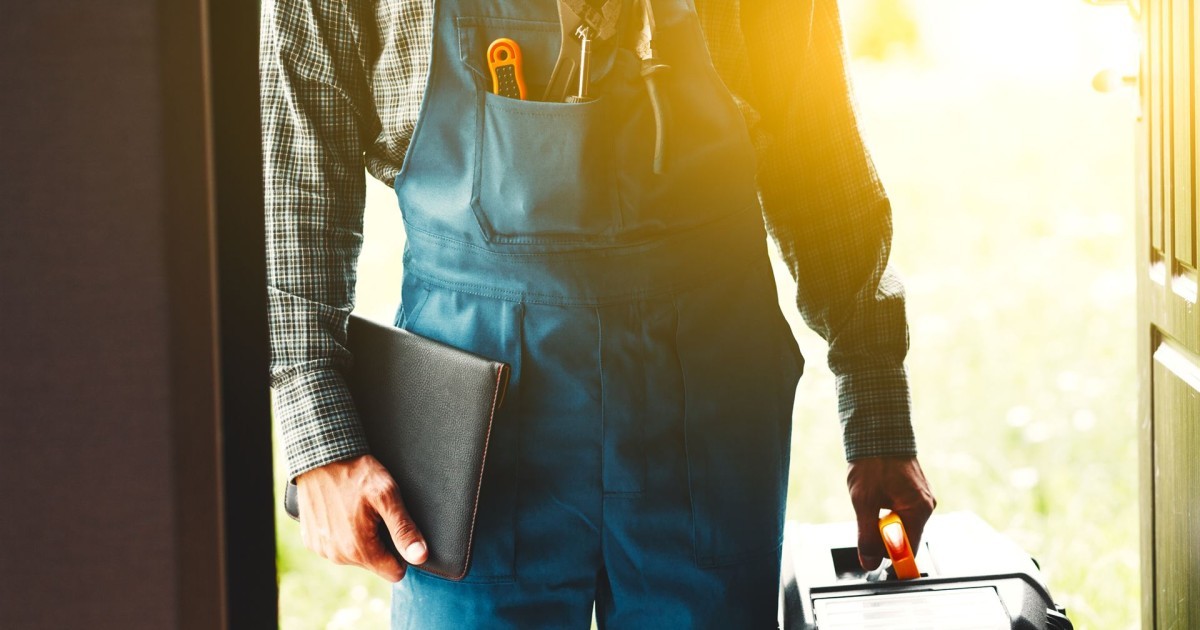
<point x="247" y="469"/>
<point x="216" y="264"/>
<point x="1168" y="331"/>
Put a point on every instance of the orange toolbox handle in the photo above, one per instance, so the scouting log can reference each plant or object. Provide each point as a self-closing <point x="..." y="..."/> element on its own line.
<point x="895" y="540"/>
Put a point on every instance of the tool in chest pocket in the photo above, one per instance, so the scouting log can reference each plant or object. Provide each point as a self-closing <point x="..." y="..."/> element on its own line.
<point x="588" y="27"/>
<point x="504" y="61"/>
<point x="652" y="69"/>
<point x="590" y="30"/>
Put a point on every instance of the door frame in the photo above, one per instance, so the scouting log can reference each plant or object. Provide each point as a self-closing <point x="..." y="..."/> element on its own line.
<point x="216" y="265"/>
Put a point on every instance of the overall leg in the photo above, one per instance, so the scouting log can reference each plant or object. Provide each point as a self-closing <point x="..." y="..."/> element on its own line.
<point x="537" y="547"/>
<point x="698" y="545"/>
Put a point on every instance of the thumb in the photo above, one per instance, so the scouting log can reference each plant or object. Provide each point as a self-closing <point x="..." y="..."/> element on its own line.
<point x="404" y="533"/>
<point x="870" y="544"/>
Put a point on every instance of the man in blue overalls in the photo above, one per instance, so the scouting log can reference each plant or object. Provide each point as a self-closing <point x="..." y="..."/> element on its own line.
<point x="620" y="267"/>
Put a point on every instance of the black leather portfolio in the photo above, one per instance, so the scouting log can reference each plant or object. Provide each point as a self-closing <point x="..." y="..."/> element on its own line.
<point x="427" y="409"/>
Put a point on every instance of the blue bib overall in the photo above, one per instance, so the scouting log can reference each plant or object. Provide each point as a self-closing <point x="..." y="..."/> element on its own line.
<point x="640" y="462"/>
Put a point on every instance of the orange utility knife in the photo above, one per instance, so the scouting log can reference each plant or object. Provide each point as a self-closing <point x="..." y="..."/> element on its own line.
<point x="895" y="539"/>
<point x="504" y="60"/>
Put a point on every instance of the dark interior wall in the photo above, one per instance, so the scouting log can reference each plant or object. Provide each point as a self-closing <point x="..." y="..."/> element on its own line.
<point x="87" y="526"/>
<point x="135" y="472"/>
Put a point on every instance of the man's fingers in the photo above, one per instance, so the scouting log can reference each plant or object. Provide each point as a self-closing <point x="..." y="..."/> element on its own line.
<point x="914" y="503"/>
<point x="870" y="544"/>
<point x="865" y="496"/>
<point x="400" y="526"/>
<point x="896" y="483"/>
<point x="914" y="518"/>
<point x="913" y="528"/>
<point x="377" y="559"/>
<point x="344" y="504"/>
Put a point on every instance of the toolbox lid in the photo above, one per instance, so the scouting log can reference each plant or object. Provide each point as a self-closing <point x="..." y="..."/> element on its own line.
<point x="965" y="566"/>
<point x="978" y="607"/>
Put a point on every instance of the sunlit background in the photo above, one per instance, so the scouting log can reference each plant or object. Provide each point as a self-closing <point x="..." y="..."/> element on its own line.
<point x="1012" y="187"/>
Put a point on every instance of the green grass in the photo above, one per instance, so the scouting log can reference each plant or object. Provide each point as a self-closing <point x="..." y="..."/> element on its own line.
<point x="1013" y="195"/>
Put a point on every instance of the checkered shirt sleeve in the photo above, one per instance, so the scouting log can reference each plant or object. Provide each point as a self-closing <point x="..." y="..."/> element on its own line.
<point x="825" y="207"/>
<point x="341" y="87"/>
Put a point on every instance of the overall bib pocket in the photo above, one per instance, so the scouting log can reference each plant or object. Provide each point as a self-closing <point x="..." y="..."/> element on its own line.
<point x="543" y="171"/>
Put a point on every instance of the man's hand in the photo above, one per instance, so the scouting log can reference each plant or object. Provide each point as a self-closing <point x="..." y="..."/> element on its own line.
<point x="894" y="483"/>
<point x="341" y="506"/>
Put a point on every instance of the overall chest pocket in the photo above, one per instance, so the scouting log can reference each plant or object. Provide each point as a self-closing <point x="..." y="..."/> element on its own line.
<point x="543" y="171"/>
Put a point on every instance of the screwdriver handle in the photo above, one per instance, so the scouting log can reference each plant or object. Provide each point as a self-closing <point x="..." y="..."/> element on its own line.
<point x="504" y="61"/>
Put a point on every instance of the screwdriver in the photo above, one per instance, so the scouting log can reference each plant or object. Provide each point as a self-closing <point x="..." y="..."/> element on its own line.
<point x="585" y="64"/>
<point x="504" y="60"/>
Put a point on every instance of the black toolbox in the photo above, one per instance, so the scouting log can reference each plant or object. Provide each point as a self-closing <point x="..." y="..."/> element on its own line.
<point x="972" y="578"/>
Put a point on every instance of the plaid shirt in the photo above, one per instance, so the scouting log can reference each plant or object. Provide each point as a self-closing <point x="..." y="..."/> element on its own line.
<point x="342" y="82"/>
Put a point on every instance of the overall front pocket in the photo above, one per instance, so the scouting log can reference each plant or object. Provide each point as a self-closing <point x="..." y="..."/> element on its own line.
<point x="543" y="172"/>
<point x="739" y="376"/>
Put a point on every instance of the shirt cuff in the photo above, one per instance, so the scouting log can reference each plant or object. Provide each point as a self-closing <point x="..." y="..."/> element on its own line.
<point x="876" y="413"/>
<point x="318" y="421"/>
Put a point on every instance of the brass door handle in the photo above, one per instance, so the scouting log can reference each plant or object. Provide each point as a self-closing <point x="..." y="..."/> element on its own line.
<point x="1110" y="80"/>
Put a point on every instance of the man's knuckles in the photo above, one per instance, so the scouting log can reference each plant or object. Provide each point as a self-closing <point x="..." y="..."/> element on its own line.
<point x="381" y="489"/>
<point x="404" y="531"/>
<point x="920" y="507"/>
<point x="350" y="552"/>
